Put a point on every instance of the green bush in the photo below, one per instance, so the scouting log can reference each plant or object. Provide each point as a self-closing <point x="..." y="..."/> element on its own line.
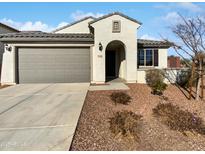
<point x="177" y="119"/>
<point x="120" y="97"/>
<point x="155" y="79"/>
<point x="158" y="87"/>
<point x="126" y="123"/>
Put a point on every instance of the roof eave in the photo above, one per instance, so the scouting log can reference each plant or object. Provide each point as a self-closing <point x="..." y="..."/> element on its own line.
<point x="45" y="40"/>
<point x="115" y="13"/>
<point x="154" y="46"/>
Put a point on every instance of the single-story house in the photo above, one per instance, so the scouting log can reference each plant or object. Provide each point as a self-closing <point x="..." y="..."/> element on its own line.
<point x="90" y="50"/>
<point x="4" y="29"/>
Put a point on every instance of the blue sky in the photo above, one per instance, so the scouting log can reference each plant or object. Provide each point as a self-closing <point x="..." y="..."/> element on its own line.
<point x="156" y="17"/>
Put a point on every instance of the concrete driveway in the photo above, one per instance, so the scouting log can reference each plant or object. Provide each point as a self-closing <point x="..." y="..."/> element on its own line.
<point x="40" y="116"/>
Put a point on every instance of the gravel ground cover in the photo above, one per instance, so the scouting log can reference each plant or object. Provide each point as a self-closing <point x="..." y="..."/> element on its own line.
<point x="93" y="131"/>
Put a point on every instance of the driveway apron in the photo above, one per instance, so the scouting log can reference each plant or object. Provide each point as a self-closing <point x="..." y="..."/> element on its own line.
<point x="40" y="116"/>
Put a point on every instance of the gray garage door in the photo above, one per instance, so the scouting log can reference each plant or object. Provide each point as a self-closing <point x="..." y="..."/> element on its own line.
<point x="53" y="65"/>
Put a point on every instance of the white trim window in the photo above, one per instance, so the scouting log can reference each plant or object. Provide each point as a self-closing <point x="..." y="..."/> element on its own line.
<point x="147" y="57"/>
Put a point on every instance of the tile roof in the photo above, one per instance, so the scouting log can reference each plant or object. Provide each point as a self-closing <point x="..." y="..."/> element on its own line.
<point x="9" y="27"/>
<point x="143" y="43"/>
<point x="42" y="36"/>
<point x="80" y="37"/>
<point x="115" y="13"/>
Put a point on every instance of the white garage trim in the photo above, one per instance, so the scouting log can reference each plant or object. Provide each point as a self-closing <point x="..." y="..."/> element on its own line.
<point x="9" y="66"/>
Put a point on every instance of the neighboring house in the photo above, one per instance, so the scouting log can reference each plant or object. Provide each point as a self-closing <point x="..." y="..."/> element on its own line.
<point x="4" y="29"/>
<point x="174" y="62"/>
<point x="176" y="68"/>
<point x="90" y="50"/>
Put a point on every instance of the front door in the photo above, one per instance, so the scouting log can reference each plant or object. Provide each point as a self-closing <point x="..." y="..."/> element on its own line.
<point x="110" y="64"/>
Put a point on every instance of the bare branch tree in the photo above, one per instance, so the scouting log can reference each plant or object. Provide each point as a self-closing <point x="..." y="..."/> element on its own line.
<point x="191" y="32"/>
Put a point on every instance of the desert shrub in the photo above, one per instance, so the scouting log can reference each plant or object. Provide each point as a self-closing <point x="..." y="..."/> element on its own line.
<point x="120" y="97"/>
<point x="183" y="78"/>
<point x="127" y="124"/>
<point x="177" y="119"/>
<point x="154" y="75"/>
<point x="158" y="87"/>
<point x="155" y="79"/>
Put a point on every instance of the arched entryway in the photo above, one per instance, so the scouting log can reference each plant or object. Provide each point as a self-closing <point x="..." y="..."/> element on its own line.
<point x="115" y="61"/>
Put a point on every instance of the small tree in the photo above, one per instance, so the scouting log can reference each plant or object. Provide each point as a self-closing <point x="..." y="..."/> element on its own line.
<point x="191" y="34"/>
<point x="155" y="79"/>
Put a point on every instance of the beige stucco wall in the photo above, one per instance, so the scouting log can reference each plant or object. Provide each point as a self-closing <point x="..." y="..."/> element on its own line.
<point x="81" y="27"/>
<point x="3" y="30"/>
<point x="162" y="58"/>
<point x="140" y="76"/>
<point x="8" y="66"/>
<point x="171" y="74"/>
<point x="104" y="35"/>
<point x="9" y="61"/>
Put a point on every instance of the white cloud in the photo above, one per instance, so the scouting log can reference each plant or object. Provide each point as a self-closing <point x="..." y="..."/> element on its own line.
<point x="31" y="26"/>
<point x="190" y="6"/>
<point x="11" y="23"/>
<point x="28" y="25"/>
<point x="80" y="14"/>
<point x="62" y="24"/>
<point x="172" y="17"/>
<point x="38" y="25"/>
<point x="148" y="37"/>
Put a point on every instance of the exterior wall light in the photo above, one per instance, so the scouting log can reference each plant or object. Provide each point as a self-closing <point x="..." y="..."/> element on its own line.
<point x="8" y="48"/>
<point x="100" y="46"/>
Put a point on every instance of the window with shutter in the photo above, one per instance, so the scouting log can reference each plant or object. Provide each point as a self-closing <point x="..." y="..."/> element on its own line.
<point x="156" y="61"/>
<point x="141" y="57"/>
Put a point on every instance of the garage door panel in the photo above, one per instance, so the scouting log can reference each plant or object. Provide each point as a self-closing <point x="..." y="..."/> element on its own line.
<point x="60" y="76"/>
<point x="53" y="65"/>
<point x="30" y="77"/>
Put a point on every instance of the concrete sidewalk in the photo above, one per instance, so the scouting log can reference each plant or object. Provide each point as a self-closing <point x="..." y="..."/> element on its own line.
<point x="40" y="116"/>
